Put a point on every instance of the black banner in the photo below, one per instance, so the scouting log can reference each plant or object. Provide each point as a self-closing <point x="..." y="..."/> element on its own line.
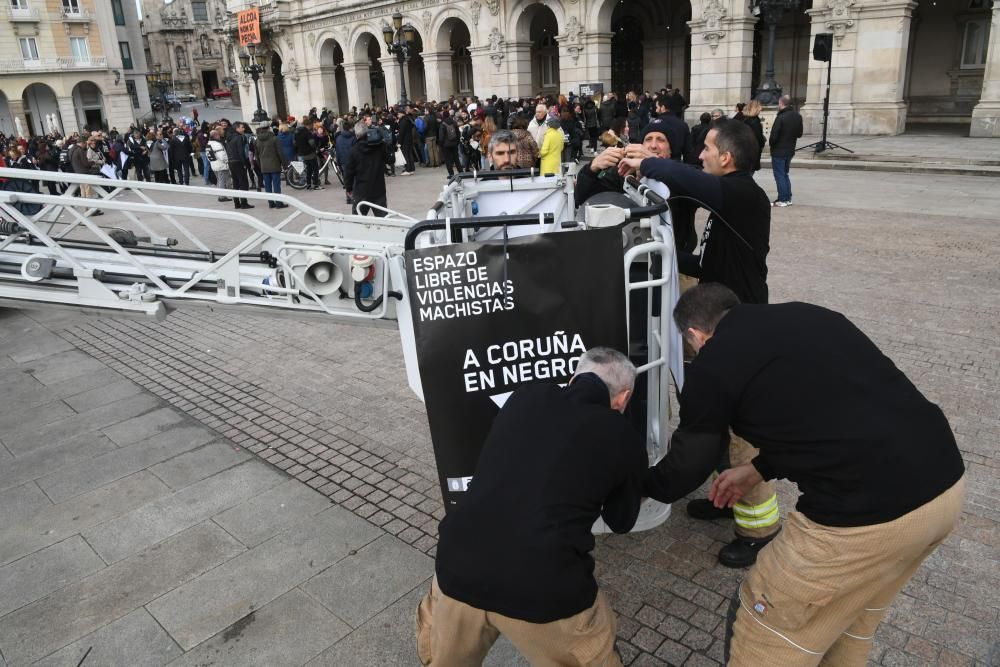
<point x="488" y="320"/>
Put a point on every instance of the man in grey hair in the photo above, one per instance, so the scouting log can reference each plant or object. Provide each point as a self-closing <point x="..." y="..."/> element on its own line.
<point x="502" y="150"/>
<point x="514" y="555"/>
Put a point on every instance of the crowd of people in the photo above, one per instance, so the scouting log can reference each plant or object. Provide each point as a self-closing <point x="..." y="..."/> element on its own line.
<point x="548" y="130"/>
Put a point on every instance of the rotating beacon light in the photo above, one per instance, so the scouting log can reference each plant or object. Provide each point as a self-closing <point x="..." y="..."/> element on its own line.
<point x="363" y="274"/>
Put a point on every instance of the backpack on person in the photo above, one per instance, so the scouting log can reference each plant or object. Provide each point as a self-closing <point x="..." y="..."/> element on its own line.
<point x="451" y="134"/>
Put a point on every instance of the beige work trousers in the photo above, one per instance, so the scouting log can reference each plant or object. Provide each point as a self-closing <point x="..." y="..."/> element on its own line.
<point x="453" y="634"/>
<point x="818" y="593"/>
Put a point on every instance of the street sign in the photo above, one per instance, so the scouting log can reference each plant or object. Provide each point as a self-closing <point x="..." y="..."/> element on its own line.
<point x="592" y="90"/>
<point x="248" y="24"/>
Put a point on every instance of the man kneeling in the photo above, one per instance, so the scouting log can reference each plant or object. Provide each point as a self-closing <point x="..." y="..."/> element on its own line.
<point x="514" y="556"/>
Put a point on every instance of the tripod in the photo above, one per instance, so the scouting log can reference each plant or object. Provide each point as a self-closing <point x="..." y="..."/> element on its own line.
<point x="823" y="144"/>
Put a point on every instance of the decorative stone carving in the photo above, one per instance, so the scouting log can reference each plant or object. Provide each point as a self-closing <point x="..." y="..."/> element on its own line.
<point x="497" y="41"/>
<point x="169" y="16"/>
<point x="713" y="14"/>
<point x="840" y="19"/>
<point x="289" y="43"/>
<point x="477" y="7"/>
<point x="493" y="6"/>
<point x="573" y="38"/>
<point x="291" y="72"/>
<point x="426" y="18"/>
<point x="311" y="38"/>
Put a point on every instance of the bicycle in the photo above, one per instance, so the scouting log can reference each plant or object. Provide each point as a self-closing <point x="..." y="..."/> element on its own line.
<point x="295" y="172"/>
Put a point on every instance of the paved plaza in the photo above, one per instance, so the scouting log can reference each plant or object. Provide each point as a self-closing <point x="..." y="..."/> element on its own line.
<point x="227" y="489"/>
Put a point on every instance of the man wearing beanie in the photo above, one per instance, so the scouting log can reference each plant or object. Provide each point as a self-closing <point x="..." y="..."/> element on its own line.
<point x="601" y="175"/>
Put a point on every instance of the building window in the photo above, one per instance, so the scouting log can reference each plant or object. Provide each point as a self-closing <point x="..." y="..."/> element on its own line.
<point x="199" y="9"/>
<point x="126" y="55"/>
<point x="463" y="70"/>
<point x="29" y="49"/>
<point x="975" y="43"/>
<point x="71" y="6"/>
<point x="548" y="61"/>
<point x="118" y="11"/>
<point x="132" y="92"/>
<point x="18" y="4"/>
<point x="79" y="49"/>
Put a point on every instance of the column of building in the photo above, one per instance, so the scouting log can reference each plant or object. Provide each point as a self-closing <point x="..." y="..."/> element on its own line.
<point x="359" y="83"/>
<point x="986" y="114"/>
<point x="839" y="19"/>
<point x="721" y="55"/>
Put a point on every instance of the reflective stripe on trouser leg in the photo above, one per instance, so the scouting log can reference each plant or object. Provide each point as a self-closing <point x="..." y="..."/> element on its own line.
<point x="759" y="516"/>
<point x="756" y="513"/>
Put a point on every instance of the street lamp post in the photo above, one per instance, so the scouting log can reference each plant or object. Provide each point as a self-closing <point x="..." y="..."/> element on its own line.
<point x="399" y="41"/>
<point x="253" y="63"/>
<point x="772" y="10"/>
<point x="162" y="81"/>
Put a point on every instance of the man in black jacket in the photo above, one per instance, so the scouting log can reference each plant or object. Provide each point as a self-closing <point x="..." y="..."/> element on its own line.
<point x="787" y="129"/>
<point x="407" y="129"/>
<point x="514" y="555"/>
<point x="734" y="251"/>
<point x="880" y="476"/>
<point x="364" y="173"/>
<point x="236" y="155"/>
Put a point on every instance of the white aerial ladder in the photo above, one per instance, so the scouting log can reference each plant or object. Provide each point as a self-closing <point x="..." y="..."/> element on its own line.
<point x="154" y="257"/>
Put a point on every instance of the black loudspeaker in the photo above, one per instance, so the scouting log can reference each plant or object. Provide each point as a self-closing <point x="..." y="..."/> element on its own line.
<point x="823" y="46"/>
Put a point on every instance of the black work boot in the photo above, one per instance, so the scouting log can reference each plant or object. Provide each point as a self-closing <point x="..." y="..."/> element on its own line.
<point x="703" y="510"/>
<point x="742" y="552"/>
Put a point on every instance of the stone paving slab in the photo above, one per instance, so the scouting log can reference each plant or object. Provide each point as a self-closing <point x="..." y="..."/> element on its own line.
<point x="142" y="427"/>
<point x="156" y="521"/>
<point x="136" y="640"/>
<point x="366" y="582"/>
<point x="42" y="460"/>
<point x="204" y="606"/>
<point x="94" y="419"/>
<point x="20" y="502"/>
<point x="101" y="470"/>
<point x="197" y="464"/>
<point x="46" y="570"/>
<point x="56" y="523"/>
<point x="288" y="506"/>
<point x="36" y="630"/>
<point x="291" y="630"/>
<point x="102" y="395"/>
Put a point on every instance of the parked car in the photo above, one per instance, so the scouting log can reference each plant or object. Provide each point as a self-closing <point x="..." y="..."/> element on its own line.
<point x="220" y="92"/>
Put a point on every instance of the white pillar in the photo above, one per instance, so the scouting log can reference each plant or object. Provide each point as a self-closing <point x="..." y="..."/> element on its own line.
<point x="986" y="114"/>
<point x="845" y="44"/>
<point x="595" y="63"/>
<point x="390" y="69"/>
<point x="721" y="59"/>
<point x="883" y="39"/>
<point x="518" y="64"/>
<point x="438" y="75"/>
<point x="67" y="115"/>
<point x="359" y="83"/>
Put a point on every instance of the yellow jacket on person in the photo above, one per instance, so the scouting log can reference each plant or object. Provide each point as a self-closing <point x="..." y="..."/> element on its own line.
<point x="551" y="153"/>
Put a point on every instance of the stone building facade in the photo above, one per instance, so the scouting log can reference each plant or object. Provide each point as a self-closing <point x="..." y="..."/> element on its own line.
<point x="70" y="65"/>
<point x="188" y="39"/>
<point x="894" y="61"/>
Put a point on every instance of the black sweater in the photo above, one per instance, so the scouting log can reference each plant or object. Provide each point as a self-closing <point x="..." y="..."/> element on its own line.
<point x="555" y="460"/>
<point x="825" y="407"/>
<point x="734" y="254"/>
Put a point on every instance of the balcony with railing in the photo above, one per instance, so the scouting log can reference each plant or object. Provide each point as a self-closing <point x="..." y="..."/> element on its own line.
<point x="68" y="63"/>
<point x="75" y="14"/>
<point x="22" y="14"/>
